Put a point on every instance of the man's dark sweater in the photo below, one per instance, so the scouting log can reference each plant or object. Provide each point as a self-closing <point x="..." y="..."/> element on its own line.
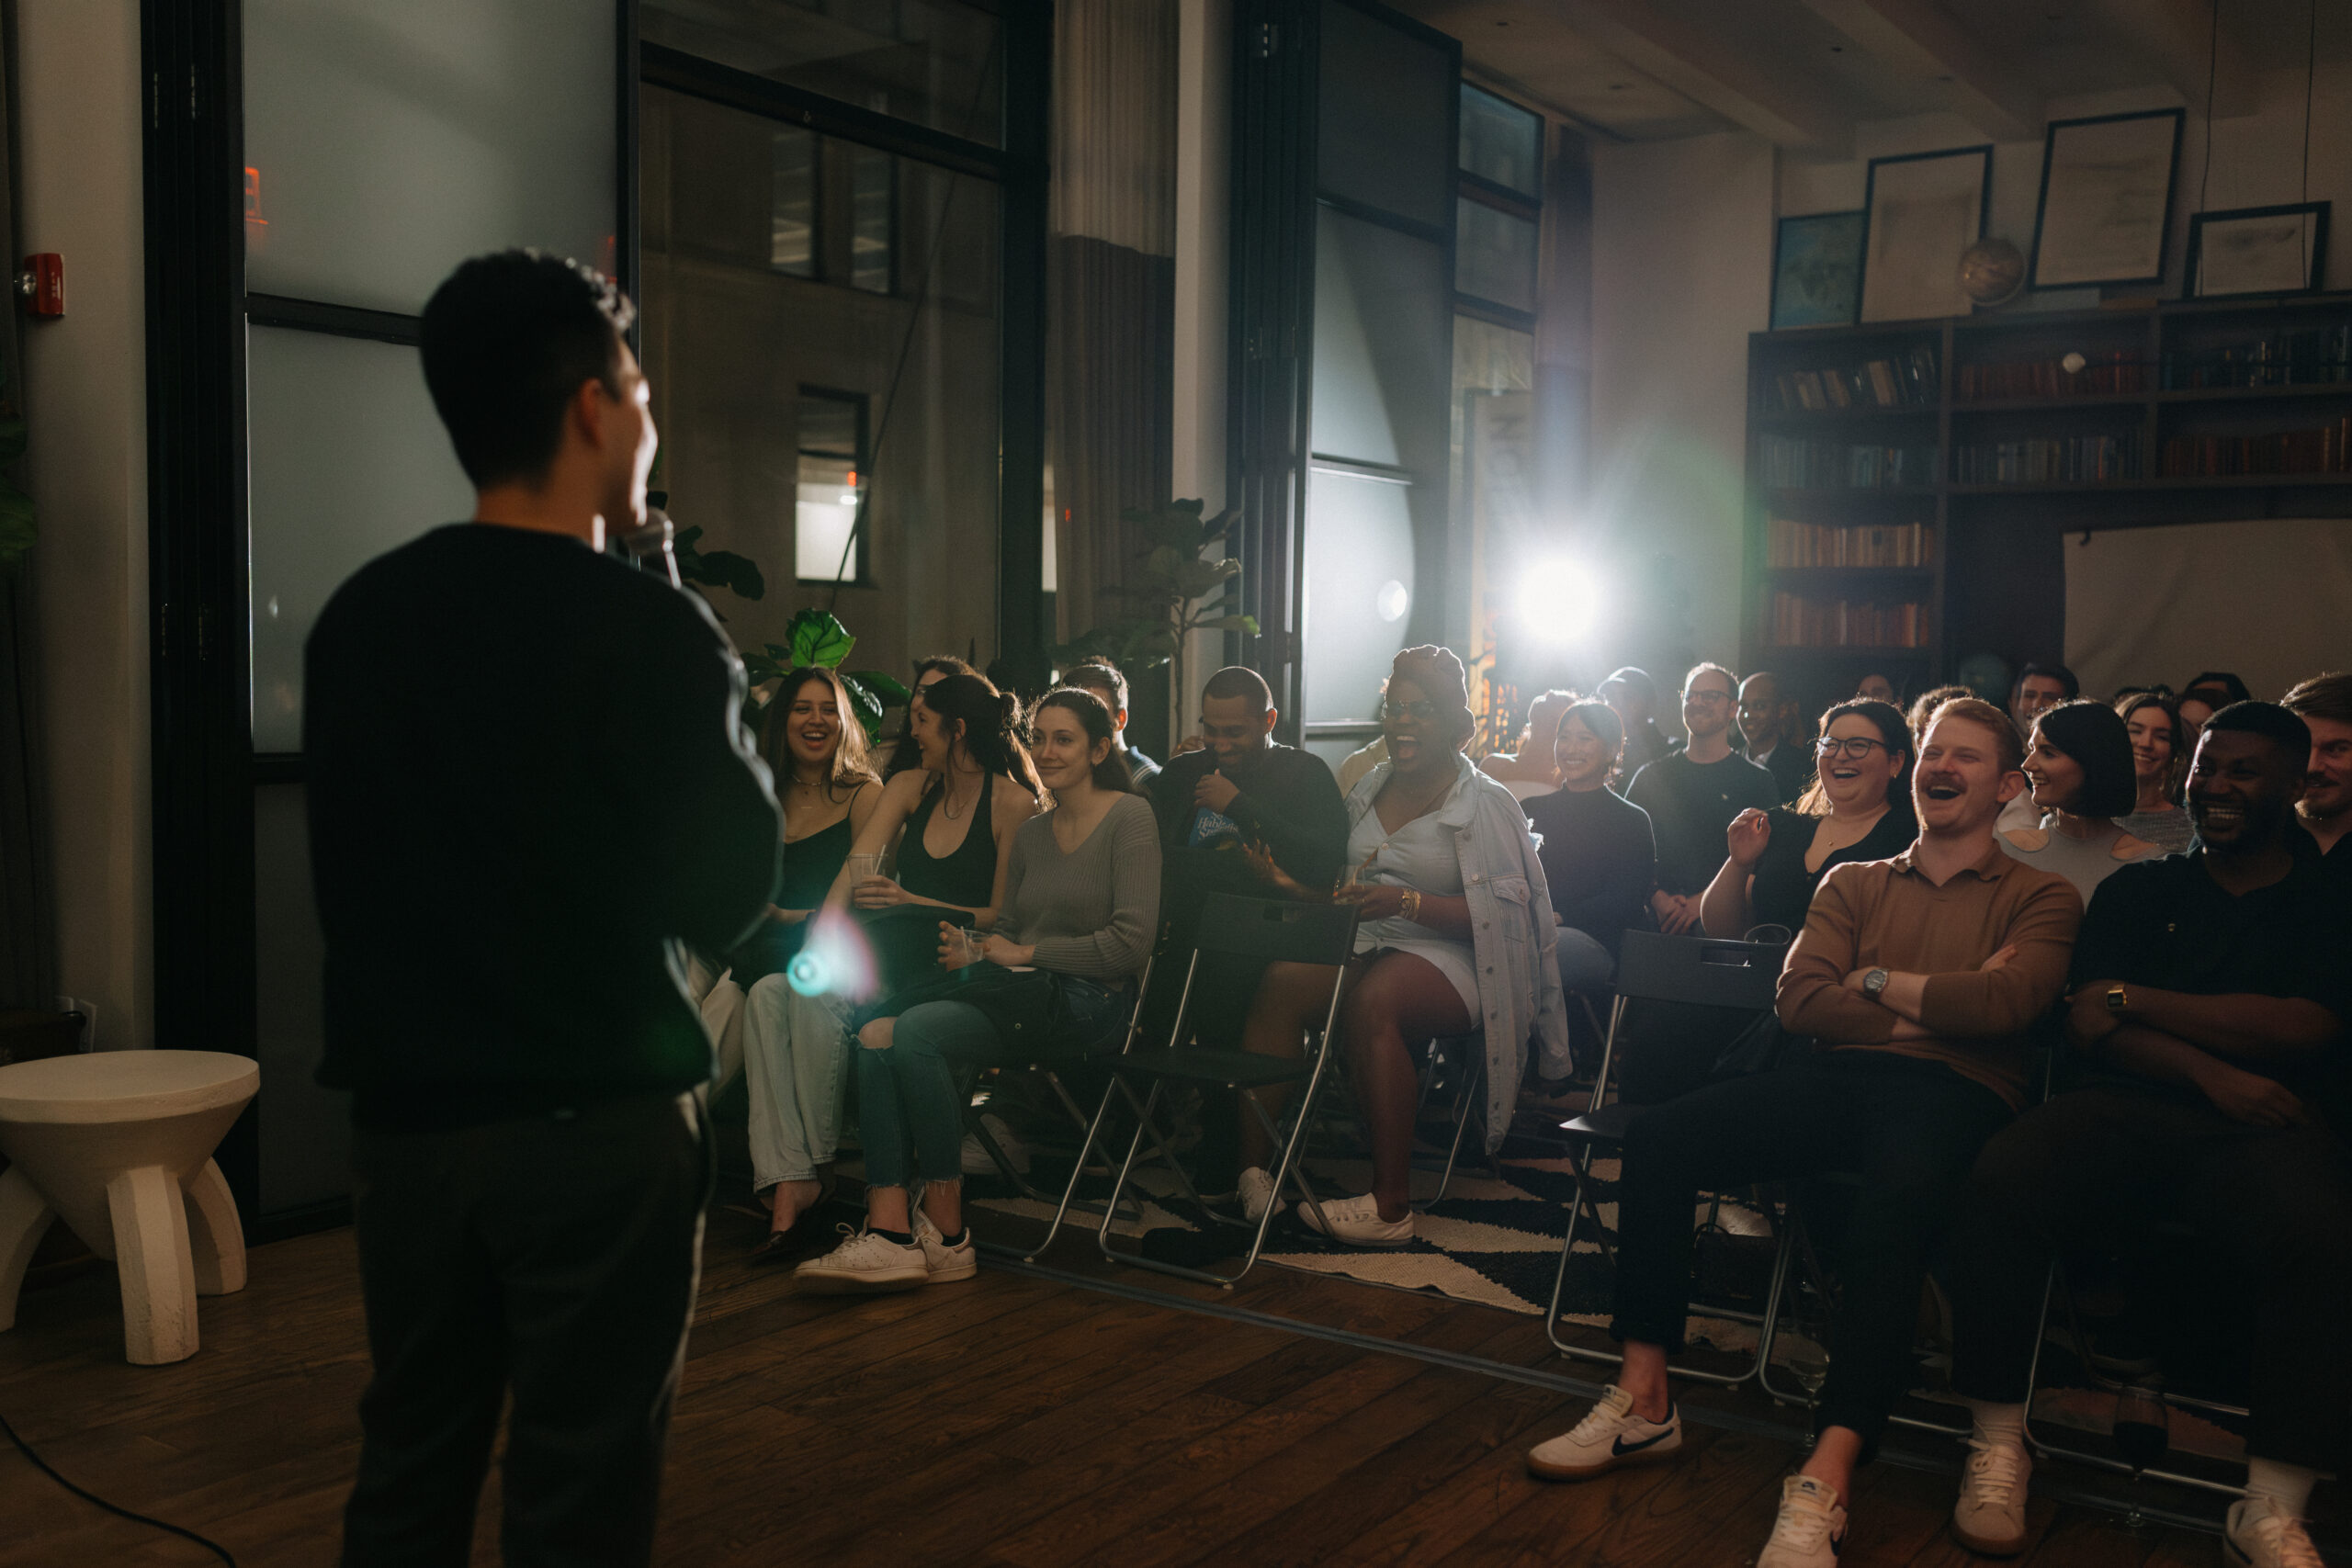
<point x="1289" y="802"/>
<point x="527" y="782"/>
<point x="1598" y="860"/>
<point x="1690" y="803"/>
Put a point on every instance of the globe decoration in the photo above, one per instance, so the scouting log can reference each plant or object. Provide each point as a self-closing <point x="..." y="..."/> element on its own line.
<point x="1991" y="272"/>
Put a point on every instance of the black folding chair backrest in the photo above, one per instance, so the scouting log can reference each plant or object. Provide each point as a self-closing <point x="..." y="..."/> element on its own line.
<point x="1275" y="932"/>
<point x="1699" y="970"/>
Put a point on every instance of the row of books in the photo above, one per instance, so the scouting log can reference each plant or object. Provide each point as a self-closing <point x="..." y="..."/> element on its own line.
<point x="2048" y="460"/>
<point x="1790" y="463"/>
<point x="2327" y="450"/>
<point x="2107" y="373"/>
<point x="1789" y="543"/>
<point x="1905" y="382"/>
<point x="1799" y="622"/>
<point x="2313" y="357"/>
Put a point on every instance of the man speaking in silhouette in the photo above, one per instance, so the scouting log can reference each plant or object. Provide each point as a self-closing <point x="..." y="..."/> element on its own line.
<point x="528" y="785"/>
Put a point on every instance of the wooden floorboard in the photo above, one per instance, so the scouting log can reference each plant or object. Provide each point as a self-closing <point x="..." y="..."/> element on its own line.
<point x="1020" y="1421"/>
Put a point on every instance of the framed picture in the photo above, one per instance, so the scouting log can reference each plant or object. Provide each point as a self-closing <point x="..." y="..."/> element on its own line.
<point x="2257" y="250"/>
<point x="2105" y="202"/>
<point x="1817" y="270"/>
<point x="1924" y="209"/>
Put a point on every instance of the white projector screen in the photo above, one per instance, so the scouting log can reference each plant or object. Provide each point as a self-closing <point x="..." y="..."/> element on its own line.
<point x="2268" y="598"/>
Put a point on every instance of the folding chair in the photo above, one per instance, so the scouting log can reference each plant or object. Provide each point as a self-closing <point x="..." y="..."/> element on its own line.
<point x="1297" y="933"/>
<point x="1465" y="1055"/>
<point x="1050" y="1069"/>
<point x="1734" y="976"/>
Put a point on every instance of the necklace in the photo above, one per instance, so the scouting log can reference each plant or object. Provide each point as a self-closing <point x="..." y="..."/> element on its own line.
<point x="948" y="801"/>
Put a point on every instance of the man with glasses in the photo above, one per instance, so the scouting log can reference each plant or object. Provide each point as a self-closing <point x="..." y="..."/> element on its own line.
<point x="1692" y="796"/>
<point x="1768" y="725"/>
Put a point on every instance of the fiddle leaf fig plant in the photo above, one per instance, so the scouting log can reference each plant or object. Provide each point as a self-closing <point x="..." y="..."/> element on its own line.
<point x="817" y="637"/>
<point x="1174" y="598"/>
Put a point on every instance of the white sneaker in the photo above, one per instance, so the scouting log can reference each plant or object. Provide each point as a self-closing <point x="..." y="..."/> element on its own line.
<point x="1811" y="1529"/>
<point x="1989" y="1516"/>
<point x="1357" y="1221"/>
<point x="2256" y="1535"/>
<point x="976" y="1160"/>
<point x="1610" y="1435"/>
<point x="1256" y="1193"/>
<point x="960" y="1261"/>
<point x="864" y="1262"/>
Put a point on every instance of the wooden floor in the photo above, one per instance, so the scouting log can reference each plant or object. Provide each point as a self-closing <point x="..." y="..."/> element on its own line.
<point x="1011" y="1420"/>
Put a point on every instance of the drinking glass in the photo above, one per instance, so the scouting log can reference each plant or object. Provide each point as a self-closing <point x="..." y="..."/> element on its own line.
<point x="862" y="867"/>
<point x="963" y="945"/>
<point x="2142" y="1434"/>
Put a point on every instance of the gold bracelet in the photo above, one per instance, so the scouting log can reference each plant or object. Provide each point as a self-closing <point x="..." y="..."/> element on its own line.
<point x="1413" y="905"/>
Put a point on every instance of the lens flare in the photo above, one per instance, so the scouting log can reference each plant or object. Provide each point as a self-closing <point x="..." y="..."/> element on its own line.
<point x="809" y="975"/>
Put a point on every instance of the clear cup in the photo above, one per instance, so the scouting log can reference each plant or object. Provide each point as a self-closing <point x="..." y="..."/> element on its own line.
<point x="860" y="867"/>
<point x="964" y="947"/>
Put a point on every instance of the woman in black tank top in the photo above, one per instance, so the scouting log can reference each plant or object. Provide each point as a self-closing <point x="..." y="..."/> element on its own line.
<point x="957" y="810"/>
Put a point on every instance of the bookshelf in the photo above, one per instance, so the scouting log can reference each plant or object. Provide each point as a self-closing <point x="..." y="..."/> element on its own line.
<point x="1911" y="485"/>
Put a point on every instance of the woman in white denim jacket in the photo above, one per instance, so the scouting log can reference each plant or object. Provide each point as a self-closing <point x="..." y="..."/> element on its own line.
<point x="1456" y="937"/>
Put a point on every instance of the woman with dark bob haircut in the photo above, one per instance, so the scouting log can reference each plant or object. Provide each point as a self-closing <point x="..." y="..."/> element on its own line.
<point x="2079" y="765"/>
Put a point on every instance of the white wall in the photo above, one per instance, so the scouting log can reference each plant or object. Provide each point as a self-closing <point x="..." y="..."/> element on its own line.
<point x="1203" y="160"/>
<point x="1682" y="258"/>
<point x="86" y="402"/>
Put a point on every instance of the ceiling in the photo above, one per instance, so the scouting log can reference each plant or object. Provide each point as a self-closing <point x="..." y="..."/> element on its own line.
<point x="1800" y="72"/>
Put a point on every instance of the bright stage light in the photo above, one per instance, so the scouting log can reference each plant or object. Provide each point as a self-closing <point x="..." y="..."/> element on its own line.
<point x="1557" y="601"/>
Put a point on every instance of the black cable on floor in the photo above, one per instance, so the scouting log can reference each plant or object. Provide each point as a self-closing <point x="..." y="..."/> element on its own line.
<point x="44" y="1467"/>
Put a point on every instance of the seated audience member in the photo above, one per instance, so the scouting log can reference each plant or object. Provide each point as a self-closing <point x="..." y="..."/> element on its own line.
<point x="971" y="788"/>
<point x="2038" y="687"/>
<point x="1859" y="810"/>
<point x="1456" y="934"/>
<point x="1923" y="708"/>
<point x="1692" y="796"/>
<point x="796" y="1050"/>
<point x="2210" y="999"/>
<point x="1529" y="770"/>
<point x="1878" y="689"/>
<point x="2324" y="704"/>
<point x="1235" y="788"/>
<point x="2210" y="692"/>
<point x="1633" y="696"/>
<point x="1767" y="726"/>
<point x="904" y="752"/>
<point x="2159" y="751"/>
<point x="1080" y="904"/>
<point x="1595" y="848"/>
<point x="1097" y="674"/>
<point x="1919" y="975"/>
<point x="2078" y="769"/>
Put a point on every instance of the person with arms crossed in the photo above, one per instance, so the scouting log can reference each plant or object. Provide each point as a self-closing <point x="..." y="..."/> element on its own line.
<point x="506" y="872"/>
<point x="1919" y="975"/>
<point x="2209" y="1004"/>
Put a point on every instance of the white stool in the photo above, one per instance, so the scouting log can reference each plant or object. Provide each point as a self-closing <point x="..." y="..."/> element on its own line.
<point x="119" y="1144"/>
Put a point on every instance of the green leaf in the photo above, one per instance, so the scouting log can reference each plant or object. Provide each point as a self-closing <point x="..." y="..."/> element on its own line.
<point x="1191" y="506"/>
<point x="1199" y="577"/>
<point x="1245" y="624"/>
<point x="818" y="638"/>
<point x="724" y="568"/>
<point x="867" y="704"/>
<point x="759" y="669"/>
<point x="682" y="539"/>
<point x="891" y="693"/>
<point x="1166" y="562"/>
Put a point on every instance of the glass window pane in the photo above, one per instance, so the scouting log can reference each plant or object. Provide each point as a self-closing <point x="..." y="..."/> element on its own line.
<point x="1382" y="346"/>
<point x="1385" y="116"/>
<point x="934" y="61"/>
<point x="822" y="520"/>
<point x="389" y="142"/>
<point x="792" y="242"/>
<point x="1501" y="142"/>
<point x="1359" y="592"/>
<point x="1494" y="255"/>
<point x="870" y="220"/>
<point x="347" y="459"/>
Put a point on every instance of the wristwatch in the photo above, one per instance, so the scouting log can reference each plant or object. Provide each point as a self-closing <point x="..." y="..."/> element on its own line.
<point x="2115" y="1000"/>
<point x="1874" y="983"/>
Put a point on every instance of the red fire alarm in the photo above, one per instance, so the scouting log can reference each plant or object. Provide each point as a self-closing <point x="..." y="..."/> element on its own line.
<point x="41" y="285"/>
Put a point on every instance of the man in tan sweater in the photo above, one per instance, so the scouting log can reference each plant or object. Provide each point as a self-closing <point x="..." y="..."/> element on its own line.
<point x="1918" y="977"/>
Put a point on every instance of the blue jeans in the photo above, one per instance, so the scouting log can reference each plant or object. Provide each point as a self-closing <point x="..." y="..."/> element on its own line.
<point x="1585" y="964"/>
<point x="911" y="1106"/>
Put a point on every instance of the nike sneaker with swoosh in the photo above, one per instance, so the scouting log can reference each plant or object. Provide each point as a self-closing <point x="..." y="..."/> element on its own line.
<point x="1609" y="1437"/>
<point x="1811" y="1528"/>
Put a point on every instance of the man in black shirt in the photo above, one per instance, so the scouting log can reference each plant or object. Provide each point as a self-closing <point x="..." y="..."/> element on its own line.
<point x="2324" y="704"/>
<point x="1692" y="796"/>
<point x="528" y="784"/>
<point x="1767" y="724"/>
<point x="2210" y="999"/>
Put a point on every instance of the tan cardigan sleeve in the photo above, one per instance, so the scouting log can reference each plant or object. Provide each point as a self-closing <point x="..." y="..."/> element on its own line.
<point x="1813" y="997"/>
<point x="1979" y="1002"/>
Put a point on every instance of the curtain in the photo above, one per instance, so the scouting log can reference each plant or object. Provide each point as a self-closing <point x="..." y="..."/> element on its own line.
<point x="28" y="921"/>
<point x="1111" y="292"/>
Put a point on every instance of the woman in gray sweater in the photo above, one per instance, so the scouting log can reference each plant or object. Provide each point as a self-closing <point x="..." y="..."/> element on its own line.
<point x="1081" y="901"/>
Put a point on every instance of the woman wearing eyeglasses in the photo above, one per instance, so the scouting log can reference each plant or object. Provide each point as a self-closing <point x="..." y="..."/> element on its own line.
<point x="1857" y="809"/>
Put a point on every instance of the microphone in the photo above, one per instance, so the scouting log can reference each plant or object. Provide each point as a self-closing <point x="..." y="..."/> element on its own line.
<point x="656" y="538"/>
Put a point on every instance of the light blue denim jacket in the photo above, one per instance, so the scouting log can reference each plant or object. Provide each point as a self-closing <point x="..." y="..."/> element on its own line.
<point x="1512" y="938"/>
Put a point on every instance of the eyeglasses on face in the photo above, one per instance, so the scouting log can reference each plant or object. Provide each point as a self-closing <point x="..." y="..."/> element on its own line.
<point x="1421" y="710"/>
<point x="1709" y="699"/>
<point x="1853" y="749"/>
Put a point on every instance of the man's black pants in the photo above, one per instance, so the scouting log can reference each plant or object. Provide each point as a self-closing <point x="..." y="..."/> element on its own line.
<point x="1909" y="1128"/>
<point x="555" y="1255"/>
<point x="2271" y="1208"/>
